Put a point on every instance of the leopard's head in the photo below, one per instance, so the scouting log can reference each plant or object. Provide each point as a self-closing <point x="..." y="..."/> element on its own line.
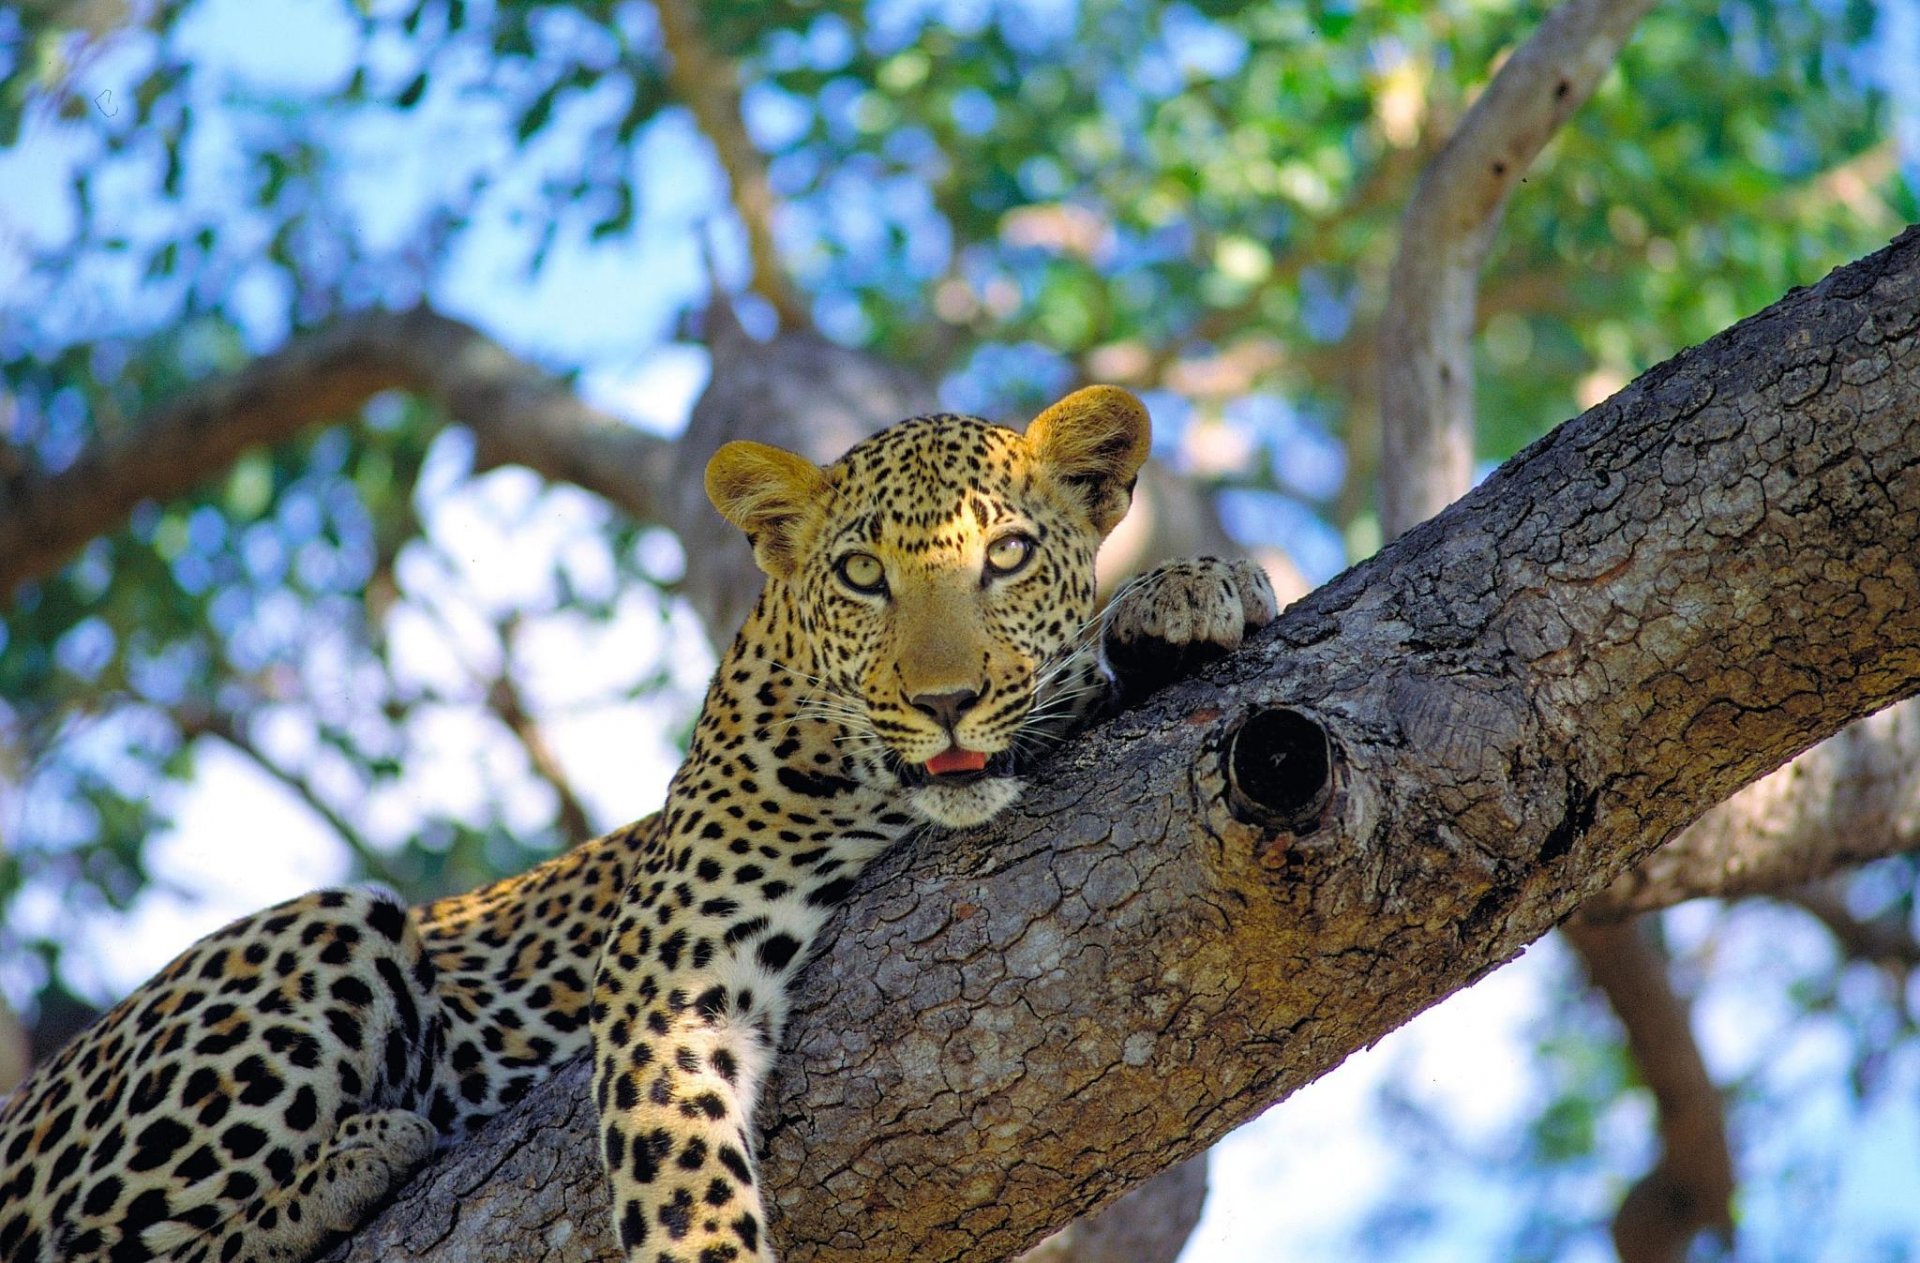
<point x="940" y="580"/>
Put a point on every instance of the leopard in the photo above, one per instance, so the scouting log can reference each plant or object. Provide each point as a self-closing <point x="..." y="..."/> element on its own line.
<point x="927" y="630"/>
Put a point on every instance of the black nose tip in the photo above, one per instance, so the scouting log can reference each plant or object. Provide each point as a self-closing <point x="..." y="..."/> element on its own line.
<point x="945" y="709"/>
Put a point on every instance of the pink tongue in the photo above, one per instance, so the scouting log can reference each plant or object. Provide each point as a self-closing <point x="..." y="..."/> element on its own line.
<point x="954" y="759"/>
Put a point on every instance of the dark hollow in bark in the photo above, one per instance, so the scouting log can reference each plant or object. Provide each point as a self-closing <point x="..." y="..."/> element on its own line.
<point x="1279" y="770"/>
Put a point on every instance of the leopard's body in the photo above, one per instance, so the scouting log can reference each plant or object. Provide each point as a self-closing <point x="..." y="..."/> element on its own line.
<point x="919" y="637"/>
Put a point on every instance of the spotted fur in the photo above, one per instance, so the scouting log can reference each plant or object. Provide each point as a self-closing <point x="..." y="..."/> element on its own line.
<point x="921" y="636"/>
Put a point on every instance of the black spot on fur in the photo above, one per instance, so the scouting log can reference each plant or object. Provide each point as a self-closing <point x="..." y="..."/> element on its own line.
<point x="814" y="784"/>
<point x="827" y="894"/>
<point x="777" y="951"/>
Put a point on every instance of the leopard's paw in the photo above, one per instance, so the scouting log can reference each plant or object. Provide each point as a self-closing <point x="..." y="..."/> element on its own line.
<point x="1182" y="615"/>
<point x="369" y="1156"/>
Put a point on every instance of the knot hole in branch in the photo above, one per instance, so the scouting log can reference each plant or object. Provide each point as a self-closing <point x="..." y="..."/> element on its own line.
<point x="1279" y="770"/>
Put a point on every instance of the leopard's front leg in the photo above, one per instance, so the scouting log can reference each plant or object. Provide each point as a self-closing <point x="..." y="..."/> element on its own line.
<point x="685" y="1020"/>
<point x="1179" y="616"/>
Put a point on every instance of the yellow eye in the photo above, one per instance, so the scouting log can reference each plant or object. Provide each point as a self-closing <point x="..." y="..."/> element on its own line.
<point x="1008" y="553"/>
<point x="863" y="573"/>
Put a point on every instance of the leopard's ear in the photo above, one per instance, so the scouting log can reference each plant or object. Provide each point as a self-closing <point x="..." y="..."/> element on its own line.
<point x="1094" y="442"/>
<point x="769" y="493"/>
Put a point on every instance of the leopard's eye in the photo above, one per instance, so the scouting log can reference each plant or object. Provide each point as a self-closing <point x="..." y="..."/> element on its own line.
<point x="863" y="573"/>
<point x="1008" y="553"/>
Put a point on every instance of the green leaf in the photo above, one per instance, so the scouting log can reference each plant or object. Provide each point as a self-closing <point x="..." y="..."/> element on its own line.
<point x="411" y="94"/>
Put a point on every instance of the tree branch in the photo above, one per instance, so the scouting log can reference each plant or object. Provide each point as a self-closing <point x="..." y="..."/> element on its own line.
<point x="1427" y="327"/>
<point x="710" y="85"/>
<point x="1690" y="1189"/>
<point x="204" y="721"/>
<point x="1884" y="941"/>
<point x="1417" y="770"/>
<point x="1849" y="800"/>
<point x="507" y="704"/>
<point x="1427" y="432"/>
<point x="517" y="413"/>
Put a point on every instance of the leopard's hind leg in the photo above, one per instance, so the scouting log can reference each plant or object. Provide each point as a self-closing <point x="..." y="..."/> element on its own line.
<point x="368" y="1156"/>
<point x="268" y="1089"/>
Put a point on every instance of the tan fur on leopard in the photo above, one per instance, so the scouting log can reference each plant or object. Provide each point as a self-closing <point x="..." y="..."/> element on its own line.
<point x="920" y="639"/>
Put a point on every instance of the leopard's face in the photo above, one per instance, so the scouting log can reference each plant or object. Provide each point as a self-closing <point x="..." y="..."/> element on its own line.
<point x="941" y="577"/>
<point x="945" y="585"/>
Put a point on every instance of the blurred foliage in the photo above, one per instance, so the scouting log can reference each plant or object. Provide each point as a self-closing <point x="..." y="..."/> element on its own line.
<point x="1196" y="198"/>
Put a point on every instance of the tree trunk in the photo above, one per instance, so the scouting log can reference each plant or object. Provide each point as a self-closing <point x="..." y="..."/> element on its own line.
<point x="1418" y="770"/>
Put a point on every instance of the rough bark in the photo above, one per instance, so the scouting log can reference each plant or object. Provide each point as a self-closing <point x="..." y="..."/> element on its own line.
<point x="1426" y="359"/>
<point x="1848" y="800"/>
<point x="1441" y="753"/>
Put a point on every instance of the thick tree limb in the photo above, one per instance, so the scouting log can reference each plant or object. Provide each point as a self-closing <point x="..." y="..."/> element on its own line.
<point x="1851" y="799"/>
<point x="1427" y="327"/>
<point x="1690" y="1189"/>
<point x="517" y="413"/>
<point x="1650" y="607"/>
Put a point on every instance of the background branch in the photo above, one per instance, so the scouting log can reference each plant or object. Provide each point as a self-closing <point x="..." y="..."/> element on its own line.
<point x="710" y="85"/>
<point x="203" y="721"/>
<point x="1427" y="447"/>
<point x="1690" y="1189"/>
<point x="506" y="702"/>
<point x="517" y="413"/>
<point x="1887" y="941"/>
<point x="1426" y="384"/>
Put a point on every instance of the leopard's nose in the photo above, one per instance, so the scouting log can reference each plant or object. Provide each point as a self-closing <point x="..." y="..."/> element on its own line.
<point x="945" y="709"/>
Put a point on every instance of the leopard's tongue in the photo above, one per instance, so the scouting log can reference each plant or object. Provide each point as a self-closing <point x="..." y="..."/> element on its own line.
<point x="954" y="759"/>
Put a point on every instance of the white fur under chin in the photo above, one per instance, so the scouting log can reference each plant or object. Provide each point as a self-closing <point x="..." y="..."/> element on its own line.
<point x="962" y="806"/>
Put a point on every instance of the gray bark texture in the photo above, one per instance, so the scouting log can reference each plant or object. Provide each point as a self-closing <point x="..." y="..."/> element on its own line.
<point x="1416" y="771"/>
